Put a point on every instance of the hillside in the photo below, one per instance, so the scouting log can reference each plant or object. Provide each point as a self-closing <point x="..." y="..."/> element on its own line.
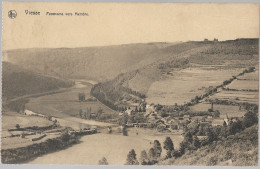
<point x="238" y="150"/>
<point x="92" y="63"/>
<point x="203" y="57"/>
<point x="19" y="82"/>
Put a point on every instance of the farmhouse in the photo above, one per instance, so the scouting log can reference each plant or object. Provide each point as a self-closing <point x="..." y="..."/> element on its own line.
<point x="150" y="108"/>
<point x="217" y="122"/>
<point x="129" y="111"/>
<point x="29" y="113"/>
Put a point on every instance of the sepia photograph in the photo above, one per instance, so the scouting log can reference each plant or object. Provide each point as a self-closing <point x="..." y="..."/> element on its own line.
<point x="162" y="84"/>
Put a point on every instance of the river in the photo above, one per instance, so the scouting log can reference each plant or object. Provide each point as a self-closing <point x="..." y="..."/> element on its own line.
<point x="114" y="147"/>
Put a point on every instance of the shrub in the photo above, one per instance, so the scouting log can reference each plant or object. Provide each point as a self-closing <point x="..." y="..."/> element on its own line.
<point x="103" y="161"/>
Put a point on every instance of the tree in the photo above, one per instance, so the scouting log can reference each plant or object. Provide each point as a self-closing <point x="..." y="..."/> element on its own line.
<point x="216" y="114"/>
<point x="131" y="158"/>
<point x="17" y="126"/>
<point x="196" y="99"/>
<point x="144" y="160"/>
<point x="195" y="142"/>
<point x="81" y="97"/>
<point x="235" y="127"/>
<point x="250" y="119"/>
<point x="80" y="113"/>
<point x="103" y="161"/>
<point x="175" y="153"/>
<point x="188" y="137"/>
<point x="123" y="120"/>
<point x="152" y="154"/>
<point x="210" y="135"/>
<point x="157" y="148"/>
<point x="125" y="131"/>
<point x="168" y="146"/>
<point x="99" y="112"/>
<point x="182" y="147"/>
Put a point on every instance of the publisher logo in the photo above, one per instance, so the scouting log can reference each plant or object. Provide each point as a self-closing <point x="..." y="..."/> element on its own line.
<point x="12" y="14"/>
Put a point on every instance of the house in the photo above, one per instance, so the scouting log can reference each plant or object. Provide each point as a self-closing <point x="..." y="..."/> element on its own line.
<point x="129" y="111"/>
<point x="150" y="108"/>
<point x="174" y="124"/>
<point x="208" y="119"/>
<point x="217" y="122"/>
<point x="29" y="113"/>
<point x="198" y="118"/>
<point x="186" y="117"/>
<point x="227" y="120"/>
<point x="203" y="124"/>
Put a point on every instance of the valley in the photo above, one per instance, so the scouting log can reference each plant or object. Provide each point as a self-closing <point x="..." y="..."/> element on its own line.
<point x="100" y="102"/>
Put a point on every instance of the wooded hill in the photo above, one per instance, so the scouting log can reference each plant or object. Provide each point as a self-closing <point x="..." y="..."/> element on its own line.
<point x="19" y="82"/>
<point x="241" y="53"/>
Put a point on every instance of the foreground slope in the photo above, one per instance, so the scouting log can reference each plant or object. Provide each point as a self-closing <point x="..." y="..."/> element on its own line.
<point x="240" y="149"/>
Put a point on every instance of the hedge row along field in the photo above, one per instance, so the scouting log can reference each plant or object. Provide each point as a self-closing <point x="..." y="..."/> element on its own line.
<point x="23" y="154"/>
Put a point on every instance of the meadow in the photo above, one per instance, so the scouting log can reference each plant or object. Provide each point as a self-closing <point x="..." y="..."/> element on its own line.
<point x="237" y="96"/>
<point x="244" y="85"/>
<point x="230" y="110"/>
<point x="187" y="83"/>
<point x="66" y="104"/>
<point x="11" y="119"/>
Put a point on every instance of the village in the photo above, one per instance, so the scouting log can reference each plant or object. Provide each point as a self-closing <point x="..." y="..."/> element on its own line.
<point x="179" y="122"/>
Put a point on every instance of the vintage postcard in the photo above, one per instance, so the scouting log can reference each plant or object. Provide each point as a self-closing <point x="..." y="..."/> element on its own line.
<point x="130" y="83"/>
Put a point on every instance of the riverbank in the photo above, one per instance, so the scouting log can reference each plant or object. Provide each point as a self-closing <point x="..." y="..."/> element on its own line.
<point x="114" y="147"/>
<point x="25" y="154"/>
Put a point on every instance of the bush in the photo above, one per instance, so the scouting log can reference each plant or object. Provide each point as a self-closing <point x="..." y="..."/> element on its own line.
<point x="17" y="126"/>
<point x="103" y="161"/>
<point x="250" y="119"/>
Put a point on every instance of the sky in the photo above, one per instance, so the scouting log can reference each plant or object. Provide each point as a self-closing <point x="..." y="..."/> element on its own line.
<point x="123" y="23"/>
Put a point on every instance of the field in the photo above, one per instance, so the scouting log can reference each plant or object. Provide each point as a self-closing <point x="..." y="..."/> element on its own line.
<point x="15" y="142"/>
<point x="186" y="84"/>
<point x="115" y="148"/>
<point x="65" y="104"/>
<point x="9" y="121"/>
<point x="231" y="111"/>
<point x="244" y="85"/>
<point x="237" y="96"/>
